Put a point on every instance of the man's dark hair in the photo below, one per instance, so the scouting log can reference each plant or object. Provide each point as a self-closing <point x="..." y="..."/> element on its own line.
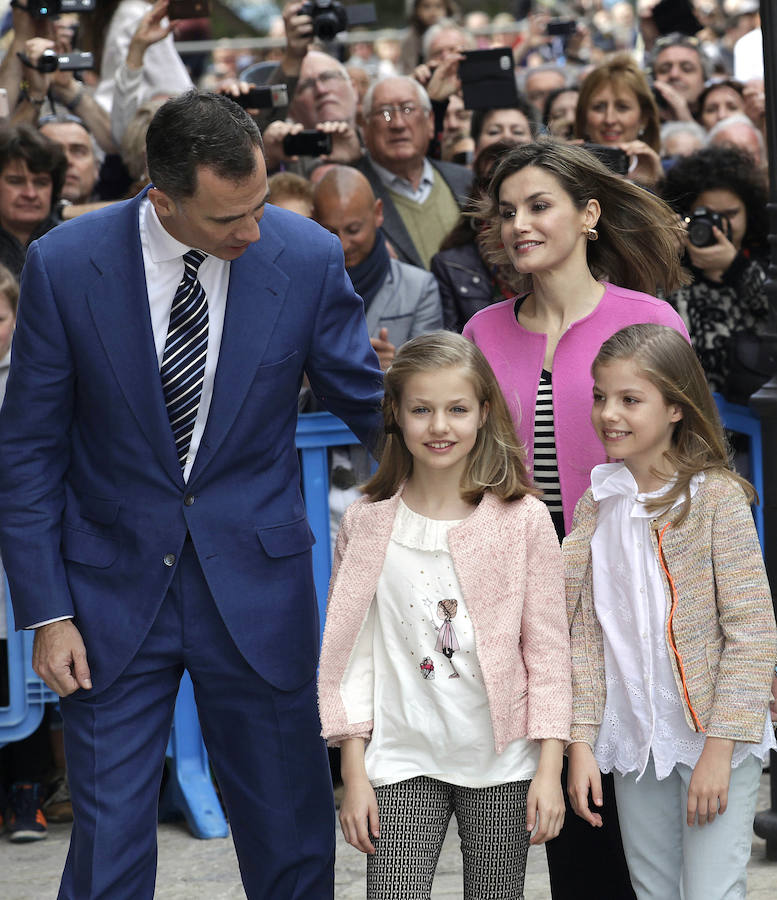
<point x="23" y="142"/>
<point x="200" y="129"/>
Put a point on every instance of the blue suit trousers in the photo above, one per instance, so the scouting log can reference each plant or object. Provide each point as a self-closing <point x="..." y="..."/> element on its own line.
<point x="264" y="744"/>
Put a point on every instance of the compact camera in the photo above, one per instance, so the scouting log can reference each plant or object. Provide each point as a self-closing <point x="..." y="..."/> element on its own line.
<point x="700" y="224"/>
<point x="50" y="61"/>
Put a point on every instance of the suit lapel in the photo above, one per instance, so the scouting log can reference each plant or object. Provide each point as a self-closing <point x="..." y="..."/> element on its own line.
<point x="257" y="288"/>
<point x="118" y="301"/>
<point x="382" y="302"/>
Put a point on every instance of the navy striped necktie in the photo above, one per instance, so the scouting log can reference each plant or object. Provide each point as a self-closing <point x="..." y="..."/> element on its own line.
<point x="183" y="361"/>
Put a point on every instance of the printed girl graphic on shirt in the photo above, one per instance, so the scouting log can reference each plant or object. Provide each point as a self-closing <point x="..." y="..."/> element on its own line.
<point x="447" y="642"/>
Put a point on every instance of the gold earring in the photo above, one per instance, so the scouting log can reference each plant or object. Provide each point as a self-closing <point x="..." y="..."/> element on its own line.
<point x="591" y="233"/>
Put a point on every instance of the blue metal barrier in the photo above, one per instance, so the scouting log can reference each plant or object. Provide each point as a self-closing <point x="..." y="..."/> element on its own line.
<point x="743" y="420"/>
<point x="190" y="790"/>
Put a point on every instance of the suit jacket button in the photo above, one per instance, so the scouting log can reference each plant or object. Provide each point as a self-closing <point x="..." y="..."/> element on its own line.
<point x="189" y="500"/>
<point x="169" y="559"/>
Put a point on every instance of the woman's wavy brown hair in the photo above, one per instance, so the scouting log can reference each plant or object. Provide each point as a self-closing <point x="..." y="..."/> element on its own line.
<point x="667" y="361"/>
<point x="639" y="235"/>
<point x="496" y="463"/>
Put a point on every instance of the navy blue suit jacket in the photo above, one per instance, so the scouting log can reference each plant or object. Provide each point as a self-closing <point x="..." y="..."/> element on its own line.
<point x="92" y="498"/>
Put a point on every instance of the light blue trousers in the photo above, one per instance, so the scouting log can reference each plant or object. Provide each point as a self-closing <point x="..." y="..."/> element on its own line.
<point x="668" y="860"/>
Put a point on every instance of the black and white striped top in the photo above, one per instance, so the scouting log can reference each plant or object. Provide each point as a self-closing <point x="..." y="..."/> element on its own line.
<point x="545" y="463"/>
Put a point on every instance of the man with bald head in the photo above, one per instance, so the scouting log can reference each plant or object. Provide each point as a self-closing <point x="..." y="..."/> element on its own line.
<point x="400" y="301"/>
<point x="421" y="197"/>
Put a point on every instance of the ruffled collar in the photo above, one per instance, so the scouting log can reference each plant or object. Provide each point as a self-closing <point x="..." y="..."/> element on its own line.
<point x="615" y="480"/>
<point x="418" y="532"/>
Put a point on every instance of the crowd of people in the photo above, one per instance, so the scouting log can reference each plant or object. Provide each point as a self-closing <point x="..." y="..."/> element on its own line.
<point x="542" y="288"/>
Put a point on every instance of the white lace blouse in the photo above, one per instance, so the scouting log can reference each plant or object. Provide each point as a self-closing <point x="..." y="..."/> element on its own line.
<point x="431" y="714"/>
<point x="643" y="712"/>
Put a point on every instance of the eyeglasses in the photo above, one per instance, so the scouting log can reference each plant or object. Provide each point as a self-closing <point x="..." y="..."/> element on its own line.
<point x="676" y="39"/>
<point x="324" y="79"/>
<point x="388" y="113"/>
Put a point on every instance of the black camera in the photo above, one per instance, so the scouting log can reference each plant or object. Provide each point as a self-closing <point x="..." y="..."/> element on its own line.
<point x="50" y="61"/>
<point x="329" y="17"/>
<point x="41" y="9"/>
<point x="700" y="224"/>
<point x="263" y="96"/>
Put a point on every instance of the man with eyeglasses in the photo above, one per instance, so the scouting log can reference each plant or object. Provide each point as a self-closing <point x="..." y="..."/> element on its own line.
<point x="678" y="75"/>
<point x="324" y="99"/>
<point x="421" y="197"/>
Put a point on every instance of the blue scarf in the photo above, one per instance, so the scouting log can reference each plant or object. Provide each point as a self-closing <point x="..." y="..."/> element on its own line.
<point x="368" y="276"/>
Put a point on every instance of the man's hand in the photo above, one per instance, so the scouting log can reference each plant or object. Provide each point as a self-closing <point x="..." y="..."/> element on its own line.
<point x="679" y="110"/>
<point x="272" y="138"/>
<point x="39" y="81"/>
<point x="299" y="36"/>
<point x="384" y="348"/>
<point x="150" y="31"/>
<point x="444" y="79"/>
<point x="59" y="658"/>
<point x="346" y="148"/>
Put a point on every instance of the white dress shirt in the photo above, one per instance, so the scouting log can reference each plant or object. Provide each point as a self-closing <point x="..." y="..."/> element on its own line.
<point x="643" y="711"/>
<point x="163" y="264"/>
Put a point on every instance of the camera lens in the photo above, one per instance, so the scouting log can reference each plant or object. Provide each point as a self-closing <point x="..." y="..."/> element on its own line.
<point x="700" y="233"/>
<point x="326" y="26"/>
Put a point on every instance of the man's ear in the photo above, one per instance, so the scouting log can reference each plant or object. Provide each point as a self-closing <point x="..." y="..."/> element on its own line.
<point x="163" y="204"/>
<point x="378" y="209"/>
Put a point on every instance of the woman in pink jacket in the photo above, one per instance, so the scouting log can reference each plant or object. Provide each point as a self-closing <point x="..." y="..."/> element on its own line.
<point x="591" y="249"/>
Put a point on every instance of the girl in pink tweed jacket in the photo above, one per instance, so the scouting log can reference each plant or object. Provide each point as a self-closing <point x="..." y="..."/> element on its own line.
<point x="445" y="667"/>
<point x="672" y="627"/>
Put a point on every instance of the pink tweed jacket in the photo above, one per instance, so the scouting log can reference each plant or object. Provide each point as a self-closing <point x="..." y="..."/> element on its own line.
<point x="508" y="564"/>
<point x="721" y="637"/>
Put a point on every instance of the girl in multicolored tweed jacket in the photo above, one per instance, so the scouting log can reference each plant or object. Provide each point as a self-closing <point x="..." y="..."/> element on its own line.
<point x="672" y="629"/>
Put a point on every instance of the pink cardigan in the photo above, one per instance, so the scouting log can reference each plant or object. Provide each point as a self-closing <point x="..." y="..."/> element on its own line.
<point x="508" y="563"/>
<point x="516" y="356"/>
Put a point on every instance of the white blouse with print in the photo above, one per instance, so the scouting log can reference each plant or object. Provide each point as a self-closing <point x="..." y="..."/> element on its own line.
<point x="431" y="714"/>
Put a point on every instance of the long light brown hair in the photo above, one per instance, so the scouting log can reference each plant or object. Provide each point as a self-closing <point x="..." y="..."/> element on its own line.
<point x="639" y="236"/>
<point x="668" y="362"/>
<point x="496" y="463"/>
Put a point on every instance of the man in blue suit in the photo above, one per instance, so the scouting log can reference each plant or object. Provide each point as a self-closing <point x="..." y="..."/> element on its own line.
<point x="150" y="510"/>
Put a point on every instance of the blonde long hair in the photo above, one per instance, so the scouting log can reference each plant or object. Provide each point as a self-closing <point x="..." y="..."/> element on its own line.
<point x="497" y="461"/>
<point x="667" y="361"/>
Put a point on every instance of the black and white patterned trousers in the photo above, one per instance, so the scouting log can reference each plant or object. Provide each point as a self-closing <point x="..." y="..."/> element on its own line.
<point x="414" y="817"/>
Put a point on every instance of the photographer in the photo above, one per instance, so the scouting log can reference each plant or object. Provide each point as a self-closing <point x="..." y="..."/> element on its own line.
<point x="59" y="87"/>
<point x="725" y="250"/>
<point x="324" y="100"/>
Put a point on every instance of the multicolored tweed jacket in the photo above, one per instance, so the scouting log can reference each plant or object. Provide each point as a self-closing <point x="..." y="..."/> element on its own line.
<point x="720" y="632"/>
